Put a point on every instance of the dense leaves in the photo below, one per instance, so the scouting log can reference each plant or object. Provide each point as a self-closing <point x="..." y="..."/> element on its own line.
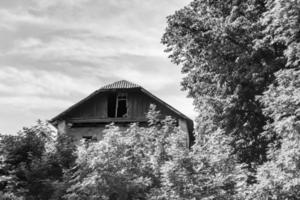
<point x="209" y="171"/>
<point x="215" y="42"/>
<point x="125" y="164"/>
<point x="279" y="178"/>
<point x="241" y="60"/>
<point x="33" y="163"/>
<point x="155" y="163"/>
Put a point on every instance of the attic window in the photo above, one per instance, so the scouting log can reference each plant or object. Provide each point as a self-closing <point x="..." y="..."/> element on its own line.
<point x="122" y="105"/>
<point x="117" y="105"/>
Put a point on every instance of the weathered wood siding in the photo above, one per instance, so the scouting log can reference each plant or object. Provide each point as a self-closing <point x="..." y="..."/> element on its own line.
<point x="137" y="106"/>
<point x="93" y="108"/>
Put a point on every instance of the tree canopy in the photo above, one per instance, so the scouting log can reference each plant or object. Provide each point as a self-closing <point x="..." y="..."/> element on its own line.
<point x="229" y="51"/>
<point x="241" y="60"/>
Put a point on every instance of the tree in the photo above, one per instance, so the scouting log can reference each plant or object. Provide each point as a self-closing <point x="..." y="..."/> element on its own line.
<point x="31" y="167"/>
<point x="216" y="42"/>
<point x="279" y="177"/>
<point x="209" y="171"/>
<point x="125" y="164"/>
<point x="154" y="163"/>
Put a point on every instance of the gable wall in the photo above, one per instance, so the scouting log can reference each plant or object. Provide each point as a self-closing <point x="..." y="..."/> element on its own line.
<point x="96" y="108"/>
<point x="137" y="106"/>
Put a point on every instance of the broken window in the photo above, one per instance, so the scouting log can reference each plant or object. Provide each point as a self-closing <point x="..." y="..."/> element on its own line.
<point x="122" y="105"/>
<point x="117" y="105"/>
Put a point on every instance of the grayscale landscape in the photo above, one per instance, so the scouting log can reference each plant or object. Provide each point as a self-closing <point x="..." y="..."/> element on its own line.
<point x="150" y="100"/>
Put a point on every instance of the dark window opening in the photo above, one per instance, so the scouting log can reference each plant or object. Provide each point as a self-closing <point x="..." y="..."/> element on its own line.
<point x="111" y="105"/>
<point x="117" y="105"/>
<point x="122" y="108"/>
<point x="89" y="138"/>
<point x="86" y="138"/>
<point x="122" y="105"/>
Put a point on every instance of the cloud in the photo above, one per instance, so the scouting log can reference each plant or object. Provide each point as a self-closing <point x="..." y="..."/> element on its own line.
<point x="28" y="43"/>
<point x="32" y="103"/>
<point x="81" y="49"/>
<point x="18" y="16"/>
<point x="22" y="83"/>
<point x="27" y="95"/>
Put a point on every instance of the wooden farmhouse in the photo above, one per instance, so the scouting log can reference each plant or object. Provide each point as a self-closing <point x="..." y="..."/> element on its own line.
<point x="121" y="102"/>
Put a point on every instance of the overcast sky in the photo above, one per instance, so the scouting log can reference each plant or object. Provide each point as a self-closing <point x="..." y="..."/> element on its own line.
<point x="55" y="52"/>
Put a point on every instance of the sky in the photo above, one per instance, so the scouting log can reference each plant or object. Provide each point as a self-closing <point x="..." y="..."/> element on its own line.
<point x="55" y="53"/>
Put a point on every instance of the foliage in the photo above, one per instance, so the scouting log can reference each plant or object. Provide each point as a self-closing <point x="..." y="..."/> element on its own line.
<point x="215" y="42"/>
<point x="32" y="166"/>
<point x="209" y="171"/>
<point x="154" y="163"/>
<point x="279" y="178"/>
<point x="241" y="60"/>
<point x="281" y="28"/>
<point x="125" y="164"/>
<point x="9" y="196"/>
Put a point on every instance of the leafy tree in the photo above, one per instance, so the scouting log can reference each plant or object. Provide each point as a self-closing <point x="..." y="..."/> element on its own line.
<point x="281" y="28"/>
<point x="216" y="44"/>
<point x="241" y="60"/>
<point x="64" y="151"/>
<point x="125" y="164"/>
<point x="31" y="164"/>
<point x="155" y="163"/>
<point x="209" y="171"/>
<point x="279" y="178"/>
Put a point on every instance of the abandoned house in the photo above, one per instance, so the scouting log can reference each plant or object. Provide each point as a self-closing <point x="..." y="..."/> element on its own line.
<point x="122" y="103"/>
